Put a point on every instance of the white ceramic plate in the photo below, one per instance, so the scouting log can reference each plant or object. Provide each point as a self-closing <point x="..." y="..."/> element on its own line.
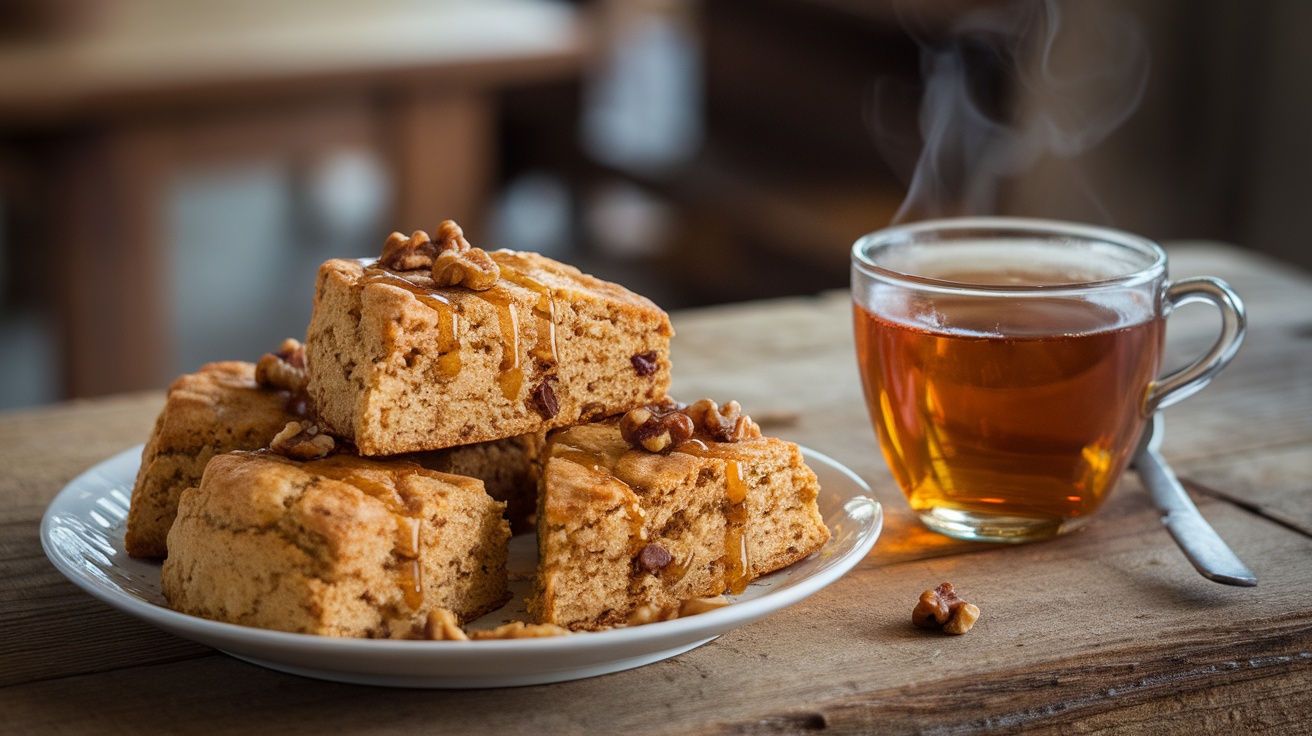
<point x="82" y="534"/>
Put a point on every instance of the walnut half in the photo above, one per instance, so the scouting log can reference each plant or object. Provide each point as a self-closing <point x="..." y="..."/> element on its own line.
<point x="725" y="423"/>
<point x="284" y="369"/>
<point x="450" y="257"/>
<point x="941" y="608"/>
<point x="662" y="426"/>
<point x="302" y="441"/>
<point x="471" y="268"/>
<point x="655" y="428"/>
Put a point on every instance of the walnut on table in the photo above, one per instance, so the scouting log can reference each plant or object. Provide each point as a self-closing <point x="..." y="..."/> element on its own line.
<point x="941" y="608"/>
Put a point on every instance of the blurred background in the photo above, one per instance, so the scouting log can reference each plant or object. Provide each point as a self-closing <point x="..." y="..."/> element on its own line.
<point x="172" y="173"/>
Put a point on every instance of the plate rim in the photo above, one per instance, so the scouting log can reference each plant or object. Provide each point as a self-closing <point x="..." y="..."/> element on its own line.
<point x="632" y="642"/>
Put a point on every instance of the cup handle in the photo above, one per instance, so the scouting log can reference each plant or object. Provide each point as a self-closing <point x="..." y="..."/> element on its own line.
<point x="1189" y="380"/>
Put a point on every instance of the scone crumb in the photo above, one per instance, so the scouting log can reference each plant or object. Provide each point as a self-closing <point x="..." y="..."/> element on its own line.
<point x="648" y="614"/>
<point x="694" y="606"/>
<point x="519" y="630"/>
<point x="941" y="608"/>
<point x="443" y="626"/>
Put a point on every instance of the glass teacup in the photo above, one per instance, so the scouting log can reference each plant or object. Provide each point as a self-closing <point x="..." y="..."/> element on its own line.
<point x="1010" y="364"/>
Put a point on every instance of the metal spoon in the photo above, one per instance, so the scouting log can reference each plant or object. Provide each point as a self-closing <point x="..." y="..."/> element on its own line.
<point x="1200" y="543"/>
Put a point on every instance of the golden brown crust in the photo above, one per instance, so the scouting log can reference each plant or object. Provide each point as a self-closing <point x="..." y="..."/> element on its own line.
<point x="397" y="365"/>
<point x="221" y="408"/>
<point x="215" y="410"/>
<point x="620" y="529"/>
<point x="340" y="547"/>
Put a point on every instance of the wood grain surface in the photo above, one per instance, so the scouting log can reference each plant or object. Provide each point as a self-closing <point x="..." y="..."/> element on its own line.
<point x="1105" y="630"/>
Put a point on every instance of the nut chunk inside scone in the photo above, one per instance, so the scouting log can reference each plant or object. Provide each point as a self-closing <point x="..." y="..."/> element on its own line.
<point x="664" y="505"/>
<point x="437" y="344"/>
<point x="340" y="546"/>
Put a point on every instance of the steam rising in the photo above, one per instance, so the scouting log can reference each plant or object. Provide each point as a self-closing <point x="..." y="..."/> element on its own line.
<point x="1003" y="88"/>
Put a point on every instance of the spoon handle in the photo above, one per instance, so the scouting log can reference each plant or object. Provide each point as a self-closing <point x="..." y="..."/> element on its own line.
<point x="1199" y="541"/>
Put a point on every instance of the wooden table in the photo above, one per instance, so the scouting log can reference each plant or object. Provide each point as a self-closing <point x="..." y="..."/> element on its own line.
<point x="94" y="126"/>
<point x="1108" y="628"/>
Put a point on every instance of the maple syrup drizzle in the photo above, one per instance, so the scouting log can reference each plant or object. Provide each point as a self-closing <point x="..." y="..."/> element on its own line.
<point x="677" y="570"/>
<point x="511" y="376"/>
<point x="737" y="566"/>
<point x="448" y="344"/>
<point x="407" y="545"/>
<point x="409" y="575"/>
<point x="605" y="465"/>
<point x="544" y="349"/>
<point x="591" y="460"/>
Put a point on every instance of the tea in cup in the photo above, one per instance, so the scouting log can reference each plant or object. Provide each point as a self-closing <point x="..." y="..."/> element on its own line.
<point x="1010" y="365"/>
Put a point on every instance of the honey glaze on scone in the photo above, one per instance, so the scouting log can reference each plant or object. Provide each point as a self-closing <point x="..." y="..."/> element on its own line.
<point x="438" y="344"/>
<point x="387" y="484"/>
<point x="642" y="517"/>
<point x="338" y="546"/>
<point x="512" y="367"/>
<point x="225" y="406"/>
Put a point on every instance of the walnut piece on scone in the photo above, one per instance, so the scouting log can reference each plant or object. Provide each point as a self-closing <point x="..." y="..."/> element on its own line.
<point x="627" y="535"/>
<point x="662" y="426"/>
<point x="472" y="269"/>
<point x="941" y="608"/>
<point x="723" y="424"/>
<point x="302" y="441"/>
<point x="453" y="261"/>
<point x="285" y="369"/>
<point x="655" y="428"/>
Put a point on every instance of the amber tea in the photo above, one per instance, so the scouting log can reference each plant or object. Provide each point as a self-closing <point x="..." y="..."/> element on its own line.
<point x="1010" y="365"/>
<point x="1037" y="424"/>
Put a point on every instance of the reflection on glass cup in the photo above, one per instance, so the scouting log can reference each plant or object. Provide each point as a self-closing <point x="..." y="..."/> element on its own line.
<point x="1010" y="364"/>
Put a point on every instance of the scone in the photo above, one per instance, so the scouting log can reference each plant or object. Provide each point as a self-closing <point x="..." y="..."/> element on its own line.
<point x="438" y="344"/>
<point x="235" y="405"/>
<point x="218" y="409"/>
<point x="642" y="514"/>
<point x="339" y="546"/>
